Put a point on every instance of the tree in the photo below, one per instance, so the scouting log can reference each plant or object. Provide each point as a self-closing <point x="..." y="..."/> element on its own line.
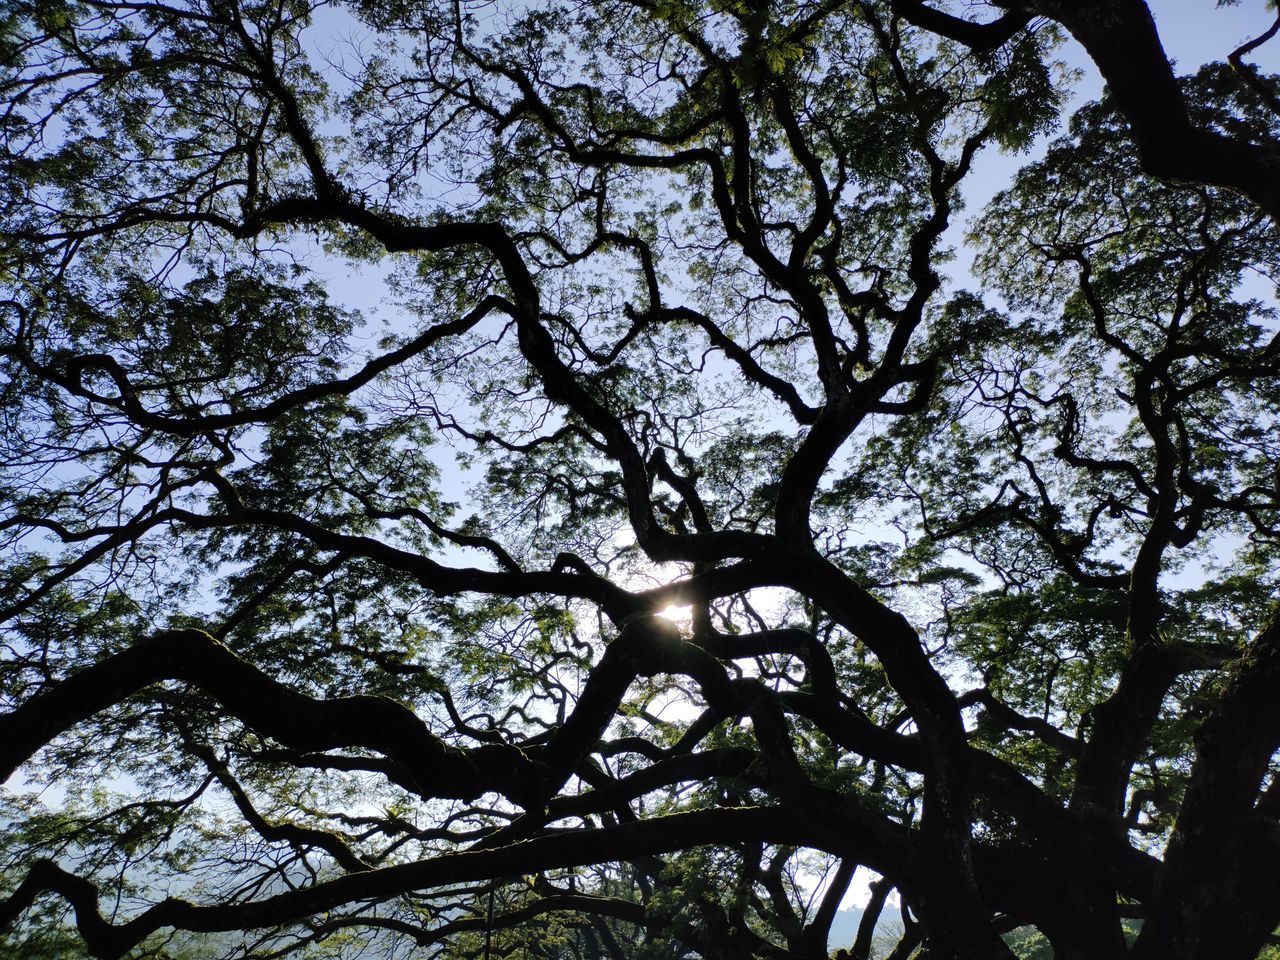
<point x="658" y="534"/>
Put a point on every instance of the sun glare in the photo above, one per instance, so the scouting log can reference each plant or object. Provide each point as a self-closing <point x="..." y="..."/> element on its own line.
<point x="680" y="616"/>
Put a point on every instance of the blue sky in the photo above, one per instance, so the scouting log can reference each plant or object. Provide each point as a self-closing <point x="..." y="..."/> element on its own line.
<point x="1194" y="32"/>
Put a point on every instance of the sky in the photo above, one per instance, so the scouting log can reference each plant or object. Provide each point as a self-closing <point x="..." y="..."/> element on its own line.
<point x="1193" y="31"/>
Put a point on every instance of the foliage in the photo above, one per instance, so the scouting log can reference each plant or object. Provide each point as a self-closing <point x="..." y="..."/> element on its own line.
<point x="533" y="480"/>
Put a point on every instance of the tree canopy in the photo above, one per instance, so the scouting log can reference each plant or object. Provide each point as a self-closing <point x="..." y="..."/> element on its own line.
<point x="536" y="480"/>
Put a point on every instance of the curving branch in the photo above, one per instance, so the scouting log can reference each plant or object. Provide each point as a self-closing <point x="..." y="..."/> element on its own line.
<point x="108" y="941"/>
